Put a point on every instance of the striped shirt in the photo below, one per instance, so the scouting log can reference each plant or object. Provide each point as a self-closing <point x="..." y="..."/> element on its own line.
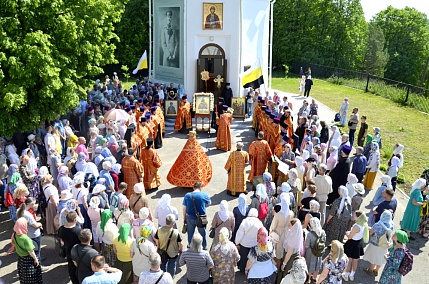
<point x="197" y="265"/>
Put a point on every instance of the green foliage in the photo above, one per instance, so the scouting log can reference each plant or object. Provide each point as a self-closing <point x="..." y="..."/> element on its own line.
<point x="401" y="178"/>
<point x="407" y="40"/>
<point x="324" y="31"/>
<point x="286" y="68"/>
<point x="376" y="55"/>
<point x="47" y="49"/>
<point x="383" y="167"/>
<point x="133" y="31"/>
<point x="125" y="70"/>
<point x="387" y="152"/>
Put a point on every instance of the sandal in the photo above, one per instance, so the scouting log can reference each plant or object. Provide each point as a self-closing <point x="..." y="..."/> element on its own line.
<point x="369" y="272"/>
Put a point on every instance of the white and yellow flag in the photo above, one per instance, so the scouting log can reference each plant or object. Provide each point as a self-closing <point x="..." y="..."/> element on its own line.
<point x="142" y="63"/>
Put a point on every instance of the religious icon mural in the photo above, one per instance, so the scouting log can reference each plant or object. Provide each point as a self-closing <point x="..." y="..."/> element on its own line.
<point x="239" y="106"/>
<point x="212" y="16"/>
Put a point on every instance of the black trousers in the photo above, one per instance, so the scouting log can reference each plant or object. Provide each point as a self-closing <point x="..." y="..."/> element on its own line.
<point x="306" y="92"/>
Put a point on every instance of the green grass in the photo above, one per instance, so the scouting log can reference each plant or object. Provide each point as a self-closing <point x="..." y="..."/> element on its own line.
<point x="399" y="124"/>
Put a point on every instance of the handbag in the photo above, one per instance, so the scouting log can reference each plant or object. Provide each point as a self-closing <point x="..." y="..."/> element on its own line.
<point x="201" y="218"/>
<point x="213" y="231"/>
<point x="163" y="253"/>
<point x="424" y="210"/>
<point x="8" y="198"/>
<point x="184" y="228"/>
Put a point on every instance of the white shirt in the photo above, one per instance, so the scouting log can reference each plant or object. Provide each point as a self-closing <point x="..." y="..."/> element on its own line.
<point x="248" y="231"/>
<point x="324" y="187"/>
<point x="51" y="190"/>
<point x="150" y="277"/>
<point x="82" y="195"/>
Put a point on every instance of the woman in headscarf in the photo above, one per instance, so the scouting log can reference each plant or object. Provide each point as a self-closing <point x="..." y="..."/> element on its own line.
<point x="112" y="145"/>
<point x="315" y="232"/>
<point x="352" y="180"/>
<point x="114" y="172"/>
<point x="344" y="112"/>
<point x="240" y="213"/>
<point x="295" y="184"/>
<point x="26" y="175"/>
<point x="293" y="246"/>
<point x="313" y="213"/>
<point x="298" y="274"/>
<point x="86" y="167"/>
<point x="322" y="153"/>
<point x="367" y="148"/>
<point x="11" y="154"/>
<point x="271" y="192"/>
<point x="393" y="170"/>
<point x="29" y="268"/>
<point x="333" y="265"/>
<point x="299" y="162"/>
<point x="332" y="161"/>
<point x="52" y="198"/>
<point x="246" y="236"/>
<point x="390" y="272"/>
<point x="222" y="219"/>
<point x="279" y="226"/>
<point x="372" y="166"/>
<point x="259" y="198"/>
<point x="357" y="237"/>
<point x="94" y="213"/>
<point x="378" y="197"/>
<point x="80" y="194"/>
<point x="165" y="208"/>
<point x="108" y="233"/>
<point x="260" y="264"/>
<point x="141" y="249"/>
<point x="73" y="141"/>
<point x="71" y="205"/>
<point x="336" y="223"/>
<point x="71" y="157"/>
<point x="225" y="257"/>
<point x="374" y="254"/>
<point x="122" y="247"/>
<point x="335" y="139"/>
<point x="410" y="221"/>
<point x="141" y="221"/>
<point x="286" y="188"/>
<point x="13" y="183"/>
<point x="397" y="151"/>
<point x="123" y="214"/>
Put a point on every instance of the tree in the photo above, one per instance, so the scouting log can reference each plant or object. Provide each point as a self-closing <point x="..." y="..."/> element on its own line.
<point x="47" y="50"/>
<point x="133" y="31"/>
<point x="407" y="41"/>
<point x="330" y="32"/>
<point x="376" y="55"/>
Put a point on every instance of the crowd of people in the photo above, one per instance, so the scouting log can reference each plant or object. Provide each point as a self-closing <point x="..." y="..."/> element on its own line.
<point x="88" y="176"/>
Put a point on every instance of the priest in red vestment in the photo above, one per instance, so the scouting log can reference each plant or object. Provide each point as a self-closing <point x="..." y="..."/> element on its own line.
<point x="151" y="162"/>
<point x="183" y="118"/>
<point x="260" y="155"/>
<point x="192" y="165"/>
<point x="133" y="171"/>
<point x="223" y="140"/>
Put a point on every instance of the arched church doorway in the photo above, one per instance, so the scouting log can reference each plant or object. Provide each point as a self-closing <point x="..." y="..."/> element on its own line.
<point x="211" y="58"/>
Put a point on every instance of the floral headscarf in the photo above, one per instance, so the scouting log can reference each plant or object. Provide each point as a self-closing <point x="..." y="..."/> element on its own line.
<point x="267" y="177"/>
<point x="145" y="232"/>
<point x="262" y="239"/>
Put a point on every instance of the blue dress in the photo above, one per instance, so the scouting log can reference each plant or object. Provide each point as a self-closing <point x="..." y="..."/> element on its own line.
<point x="390" y="272"/>
<point x="411" y="218"/>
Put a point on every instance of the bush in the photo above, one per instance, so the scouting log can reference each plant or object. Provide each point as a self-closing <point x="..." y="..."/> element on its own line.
<point x="401" y="178"/>
<point x="387" y="152"/>
<point x="383" y="167"/>
<point x="286" y="68"/>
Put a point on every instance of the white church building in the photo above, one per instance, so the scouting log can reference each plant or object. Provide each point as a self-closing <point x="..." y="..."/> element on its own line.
<point x="221" y="37"/>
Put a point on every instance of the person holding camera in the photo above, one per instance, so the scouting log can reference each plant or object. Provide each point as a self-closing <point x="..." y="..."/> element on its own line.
<point x="194" y="212"/>
<point x="103" y="273"/>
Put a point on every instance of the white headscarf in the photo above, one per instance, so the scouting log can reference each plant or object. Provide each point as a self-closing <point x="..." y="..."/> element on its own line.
<point x="253" y="212"/>
<point x="294" y="239"/>
<point x="395" y="162"/>
<point x="418" y="184"/>
<point x="293" y="177"/>
<point x="223" y="241"/>
<point x="305" y="155"/>
<point x="285" y="202"/>
<point x="336" y="137"/>
<point x="242" y="206"/>
<point x="261" y="191"/>
<point x="385" y="179"/>
<point x="165" y="201"/>
<point x="285" y="187"/>
<point x="43" y="171"/>
<point x="316" y="226"/>
<point x="352" y="179"/>
<point x="398" y="151"/>
<point x="344" y="193"/>
<point x="223" y="211"/>
<point x="116" y="168"/>
<point x="299" y="161"/>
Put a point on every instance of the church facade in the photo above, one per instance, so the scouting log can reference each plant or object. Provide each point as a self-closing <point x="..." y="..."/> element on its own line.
<point x="219" y="40"/>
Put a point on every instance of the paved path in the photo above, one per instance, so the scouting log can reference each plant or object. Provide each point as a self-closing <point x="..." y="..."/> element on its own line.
<point x="241" y="131"/>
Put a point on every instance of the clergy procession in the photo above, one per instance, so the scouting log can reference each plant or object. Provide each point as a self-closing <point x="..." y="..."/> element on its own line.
<point x="85" y="178"/>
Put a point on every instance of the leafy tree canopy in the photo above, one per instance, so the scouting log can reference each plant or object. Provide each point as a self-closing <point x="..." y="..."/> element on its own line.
<point x="47" y="49"/>
<point x="407" y="41"/>
<point x="376" y="56"/>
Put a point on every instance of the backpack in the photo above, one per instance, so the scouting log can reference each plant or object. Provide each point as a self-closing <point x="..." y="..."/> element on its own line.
<point x="347" y="212"/>
<point x="337" y="117"/>
<point x="407" y="263"/>
<point x="385" y="240"/>
<point x="262" y="211"/>
<point x="114" y="201"/>
<point x="319" y="247"/>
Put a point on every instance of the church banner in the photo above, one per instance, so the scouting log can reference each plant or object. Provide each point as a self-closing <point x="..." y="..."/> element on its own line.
<point x="168" y="39"/>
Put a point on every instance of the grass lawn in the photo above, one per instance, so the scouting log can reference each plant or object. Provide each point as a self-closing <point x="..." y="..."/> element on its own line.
<point x="398" y="124"/>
